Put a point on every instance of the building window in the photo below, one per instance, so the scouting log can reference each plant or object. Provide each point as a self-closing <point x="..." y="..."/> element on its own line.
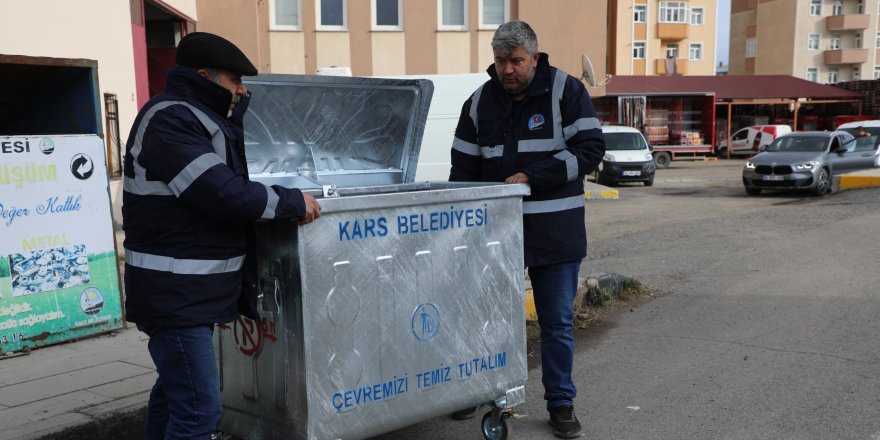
<point x="453" y="14"/>
<point x="856" y="74"/>
<point x="493" y="13"/>
<point x="837" y="8"/>
<point x="812" y="74"/>
<point x="813" y="41"/>
<point x="695" y="52"/>
<point x="858" y="41"/>
<point x="671" y="51"/>
<point x="332" y="15"/>
<point x="673" y="12"/>
<point x="285" y="15"/>
<point x="877" y="73"/>
<point x="833" y="75"/>
<point x="861" y="6"/>
<point x="640" y="14"/>
<point x="815" y="7"/>
<point x="386" y="15"/>
<point x="638" y="50"/>
<point x="835" y="42"/>
<point x="697" y="16"/>
<point x="751" y="47"/>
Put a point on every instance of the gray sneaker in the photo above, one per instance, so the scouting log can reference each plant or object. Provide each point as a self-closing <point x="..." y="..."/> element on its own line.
<point x="564" y="422"/>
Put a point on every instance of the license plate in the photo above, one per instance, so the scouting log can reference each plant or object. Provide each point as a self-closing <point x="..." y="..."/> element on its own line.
<point x="773" y="177"/>
<point x="632" y="173"/>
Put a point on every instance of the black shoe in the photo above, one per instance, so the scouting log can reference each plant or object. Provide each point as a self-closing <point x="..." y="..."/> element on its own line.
<point x="464" y="414"/>
<point x="564" y="422"/>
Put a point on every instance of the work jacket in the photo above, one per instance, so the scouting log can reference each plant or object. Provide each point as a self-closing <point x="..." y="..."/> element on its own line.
<point x="553" y="136"/>
<point x="188" y="208"/>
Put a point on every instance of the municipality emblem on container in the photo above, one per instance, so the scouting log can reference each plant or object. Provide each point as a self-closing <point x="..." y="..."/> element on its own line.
<point x="425" y="322"/>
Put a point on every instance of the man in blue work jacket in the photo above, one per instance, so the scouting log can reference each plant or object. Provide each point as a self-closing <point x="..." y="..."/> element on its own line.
<point x="188" y="213"/>
<point x="532" y="123"/>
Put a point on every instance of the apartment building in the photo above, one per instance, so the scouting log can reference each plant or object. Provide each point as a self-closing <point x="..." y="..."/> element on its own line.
<point x="650" y="37"/>
<point x="402" y="37"/>
<point x="826" y="41"/>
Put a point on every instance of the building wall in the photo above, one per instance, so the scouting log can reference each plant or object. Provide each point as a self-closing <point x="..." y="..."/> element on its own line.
<point x="790" y="22"/>
<point x="626" y="32"/>
<point x="419" y="49"/>
<point x="742" y="16"/>
<point x="90" y="29"/>
<point x="777" y="42"/>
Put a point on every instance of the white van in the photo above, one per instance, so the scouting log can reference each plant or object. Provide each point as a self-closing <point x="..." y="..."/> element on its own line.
<point x="751" y="140"/>
<point x="627" y="157"/>
<point x="450" y="93"/>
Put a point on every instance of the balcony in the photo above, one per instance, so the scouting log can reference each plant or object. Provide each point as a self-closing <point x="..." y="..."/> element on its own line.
<point x="672" y="31"/>
<point x="851" y="22"/>
<point x="846" y="56"/>
<point x="681" y="66"/>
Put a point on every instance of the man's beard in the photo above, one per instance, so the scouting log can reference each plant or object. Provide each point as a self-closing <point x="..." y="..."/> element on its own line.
<point x="520" y="86"/>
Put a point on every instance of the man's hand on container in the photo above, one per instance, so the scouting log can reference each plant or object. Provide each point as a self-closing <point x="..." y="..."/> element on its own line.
<point x="517" y="178"/>
<point x="313" y="210"/>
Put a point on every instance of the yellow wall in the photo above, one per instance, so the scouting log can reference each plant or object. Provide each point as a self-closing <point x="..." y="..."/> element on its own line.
<point x="453" y="52"/>
<point x="286" y="52"/>
<point x="389" y="53"/>
<point x="333" y="49"/>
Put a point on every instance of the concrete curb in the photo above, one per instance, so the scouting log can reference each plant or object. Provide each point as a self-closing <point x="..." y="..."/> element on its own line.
<point x="858" y="179"/>
<point x="594" y="191"/>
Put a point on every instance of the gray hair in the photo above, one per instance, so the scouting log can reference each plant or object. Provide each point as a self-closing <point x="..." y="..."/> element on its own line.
<point x="213" y="74"/>
<point x="515" y="34"/>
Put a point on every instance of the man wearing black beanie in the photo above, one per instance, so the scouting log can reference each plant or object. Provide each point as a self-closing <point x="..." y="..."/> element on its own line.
<point x="188" y="213"/>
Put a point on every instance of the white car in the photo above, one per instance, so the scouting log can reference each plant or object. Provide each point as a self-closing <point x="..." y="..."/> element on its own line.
<point x="627" y="157"/>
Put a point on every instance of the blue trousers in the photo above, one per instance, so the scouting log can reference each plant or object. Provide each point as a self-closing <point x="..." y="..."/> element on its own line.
<point x="554" y="288"/>
<point x="185" y="401"/>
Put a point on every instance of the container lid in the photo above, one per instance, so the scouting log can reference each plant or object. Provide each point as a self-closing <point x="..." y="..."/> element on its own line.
<point x="308" y="131"/>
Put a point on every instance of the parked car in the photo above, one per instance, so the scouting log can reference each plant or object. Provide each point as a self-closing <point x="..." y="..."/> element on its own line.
<point x="807" y="161"/>
<point x="751" y="140"/>
<point x="871" y="130"/>
<point x="627" y="157"/>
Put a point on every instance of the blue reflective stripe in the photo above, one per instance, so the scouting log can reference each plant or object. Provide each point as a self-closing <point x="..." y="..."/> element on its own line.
<point x="271" y="203"/>
<point x="465" y="147"/>
<point x="490" y="152"/>
<point x="581" y="124"/>
<point x="545" y="206"/>
<point x="571" y="164"/>
<point x="192" y="171"/>
<point x="182" y="266"/>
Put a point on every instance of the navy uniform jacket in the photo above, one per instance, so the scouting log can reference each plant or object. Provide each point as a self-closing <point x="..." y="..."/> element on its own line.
<point x="188" y="208"/>
<point x="553" y="136"/>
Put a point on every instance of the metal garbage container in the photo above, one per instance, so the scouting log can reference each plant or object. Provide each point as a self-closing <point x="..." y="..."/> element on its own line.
<point x="403" y="302"/>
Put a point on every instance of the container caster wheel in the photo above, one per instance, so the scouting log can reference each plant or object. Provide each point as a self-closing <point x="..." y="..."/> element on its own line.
<point x="495" y="425"/>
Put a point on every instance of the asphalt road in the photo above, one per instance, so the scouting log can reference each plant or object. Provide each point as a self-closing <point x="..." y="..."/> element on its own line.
<point x="763" y="325"/>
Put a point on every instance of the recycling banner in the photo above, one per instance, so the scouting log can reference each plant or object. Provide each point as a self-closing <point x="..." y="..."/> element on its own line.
<point x="58" y="274"/>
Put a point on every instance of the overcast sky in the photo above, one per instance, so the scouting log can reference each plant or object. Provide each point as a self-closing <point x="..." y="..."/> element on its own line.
<point x="723" y="45"/>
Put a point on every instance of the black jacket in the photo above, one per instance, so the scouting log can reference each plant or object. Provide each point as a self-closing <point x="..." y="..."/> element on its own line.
<point x="553" y="136"/>
<point x="188" y="208"/>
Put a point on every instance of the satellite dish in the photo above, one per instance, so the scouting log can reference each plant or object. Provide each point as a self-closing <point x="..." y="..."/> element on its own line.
<point x="589" y="75"/>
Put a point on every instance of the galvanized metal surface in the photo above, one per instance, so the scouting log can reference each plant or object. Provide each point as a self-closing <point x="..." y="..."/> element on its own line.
<point x="312" y="130"/>
<point x="391" y="309"/>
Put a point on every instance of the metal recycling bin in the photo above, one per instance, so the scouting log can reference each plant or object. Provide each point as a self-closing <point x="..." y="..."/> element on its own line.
<point x="403" y="302"/>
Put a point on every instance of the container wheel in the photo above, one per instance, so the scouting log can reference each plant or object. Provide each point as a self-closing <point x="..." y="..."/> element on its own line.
<point x="662" y="159"/>
<point x="495" y="425"/>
